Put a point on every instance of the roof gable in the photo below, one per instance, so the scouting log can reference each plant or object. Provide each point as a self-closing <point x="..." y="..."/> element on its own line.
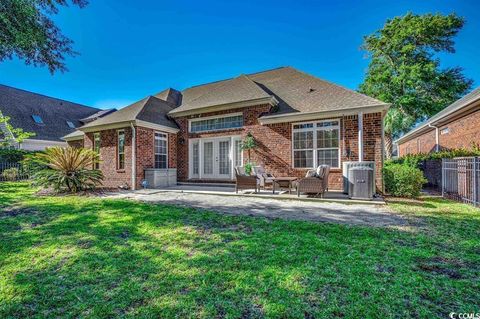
<point x="149" y="109"/>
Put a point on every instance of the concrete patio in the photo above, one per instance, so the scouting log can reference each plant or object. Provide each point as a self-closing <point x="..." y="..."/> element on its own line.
<point x="229" y="190"/>
<point x="223" y="199"/>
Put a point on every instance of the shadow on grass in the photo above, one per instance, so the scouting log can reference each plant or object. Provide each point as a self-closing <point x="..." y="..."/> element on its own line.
<point x="111" y="258"/>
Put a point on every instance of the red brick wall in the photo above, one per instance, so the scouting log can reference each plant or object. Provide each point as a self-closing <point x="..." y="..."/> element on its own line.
<point x="108" y="155"/>
<point x="274" y="150"/>
<point x="145" y="152"/>
<point x="372" y="144"/>
<point x="462" y="133"/>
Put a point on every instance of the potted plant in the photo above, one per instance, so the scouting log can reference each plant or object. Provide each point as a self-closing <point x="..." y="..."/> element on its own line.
<point x="249" y="144"/>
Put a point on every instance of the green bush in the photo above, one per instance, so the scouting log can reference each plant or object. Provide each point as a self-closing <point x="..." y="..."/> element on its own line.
<point x="13" y="155"/>
<point x="10" y="174"/>
<point x="403" y="180"/>
<point x="414" y="160"/>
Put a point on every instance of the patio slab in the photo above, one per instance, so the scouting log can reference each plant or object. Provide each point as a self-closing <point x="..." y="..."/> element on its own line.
<point x="271" y="207"/>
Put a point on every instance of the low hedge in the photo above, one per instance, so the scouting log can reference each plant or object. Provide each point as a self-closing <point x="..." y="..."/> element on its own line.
<point x="403" y="180"/>
<point x="13" y="155"/>
<point x="415" y="159"/>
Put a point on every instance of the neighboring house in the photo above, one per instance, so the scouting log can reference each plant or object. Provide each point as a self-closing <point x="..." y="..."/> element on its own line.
<point x="456" y="126"/>
<point x="297" y="120"/>
<point x="49" y="118"/>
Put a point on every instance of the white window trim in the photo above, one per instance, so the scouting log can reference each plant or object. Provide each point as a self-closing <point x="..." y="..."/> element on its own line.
<point x="315" y="148"/>
<point x="166" y="139"/>
<point x="213" y="117"/>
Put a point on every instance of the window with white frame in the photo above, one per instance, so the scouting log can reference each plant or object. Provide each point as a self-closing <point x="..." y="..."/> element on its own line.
<point x="160" y="150"/>
<point x="216" y="123"/>
<point x="121" y="150"/>
<point x="96" y="148"/>
<point x="316" y="143"/>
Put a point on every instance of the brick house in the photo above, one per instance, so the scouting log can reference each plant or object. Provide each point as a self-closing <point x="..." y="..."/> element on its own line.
<point x="297" y="120"/>
<point x="456" y="126"/>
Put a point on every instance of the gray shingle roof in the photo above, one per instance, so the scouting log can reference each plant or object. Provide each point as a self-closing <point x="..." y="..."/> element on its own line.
<point x="228" y="91"/>
<point x="300" y="92"/>
<point x="296" y="91"/>
<point x="20" y="105"/>
<point x="149" y="109"/>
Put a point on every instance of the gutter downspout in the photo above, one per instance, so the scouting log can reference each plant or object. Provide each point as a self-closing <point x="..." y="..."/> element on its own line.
<point x="360" y="136"/>
<point x="437" y="137"/>
<point x="134" y="155"/>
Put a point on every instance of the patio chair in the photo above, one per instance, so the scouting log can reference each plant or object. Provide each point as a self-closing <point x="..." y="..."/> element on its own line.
<point x="263" y="177"/>
<point x="244" y="181"/>
<point x="315" y="182"/>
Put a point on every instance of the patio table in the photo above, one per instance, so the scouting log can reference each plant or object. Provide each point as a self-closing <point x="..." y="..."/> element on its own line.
<point x="283" y="182"/>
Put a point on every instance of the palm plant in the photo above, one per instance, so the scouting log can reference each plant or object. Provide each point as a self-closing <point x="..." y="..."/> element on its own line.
<point x="67" y="169"/>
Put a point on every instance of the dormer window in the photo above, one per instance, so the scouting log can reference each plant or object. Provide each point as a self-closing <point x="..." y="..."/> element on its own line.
<point x="70" y="124"/>
<point x="37" y="119"/>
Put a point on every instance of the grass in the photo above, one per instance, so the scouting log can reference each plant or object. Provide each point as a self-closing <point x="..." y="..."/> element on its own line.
<point x="74" y="257"/>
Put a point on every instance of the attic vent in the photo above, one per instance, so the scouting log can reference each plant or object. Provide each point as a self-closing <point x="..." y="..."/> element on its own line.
<point x="37" y="119"/>
<point x="70" y="124"/>
<point x="311" y="90"/>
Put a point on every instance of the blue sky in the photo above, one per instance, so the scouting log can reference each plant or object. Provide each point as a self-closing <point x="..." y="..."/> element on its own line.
<point x="131" y="49"/>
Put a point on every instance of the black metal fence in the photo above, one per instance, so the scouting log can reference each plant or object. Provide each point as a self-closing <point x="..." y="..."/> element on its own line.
<point x="461" y="179"/>
<point x="12" y="172"/>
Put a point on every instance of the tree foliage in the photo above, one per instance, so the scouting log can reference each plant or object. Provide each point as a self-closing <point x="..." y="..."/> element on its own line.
<point x="405" y="70"/>
<point x="12" y="135"/>
<point x="249" y="143"/>
<point x="27" y="32"/>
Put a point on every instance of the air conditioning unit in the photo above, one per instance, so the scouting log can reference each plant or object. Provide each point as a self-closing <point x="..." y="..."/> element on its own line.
<point x="346" y="167"/>
<point x="360" y="181"/>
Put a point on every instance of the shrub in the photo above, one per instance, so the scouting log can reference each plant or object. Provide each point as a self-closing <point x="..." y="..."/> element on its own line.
<point x="10" y="174"/>
<point x="12" y="155"/>
<point x="66" y="169"/>
<point x="403" y="180"/>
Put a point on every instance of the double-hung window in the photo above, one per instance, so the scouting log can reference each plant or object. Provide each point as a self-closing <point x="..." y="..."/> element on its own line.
<point x="160" y="150"/>
<point x="316" y="143"/>
<point x="121" y="150"/>
<point x="96" y="148"/>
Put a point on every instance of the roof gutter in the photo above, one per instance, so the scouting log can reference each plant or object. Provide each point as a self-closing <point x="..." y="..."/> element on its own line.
<point x="117" y="125"/>
<point x="227" y="106"/>
<point x="307" y="116"/>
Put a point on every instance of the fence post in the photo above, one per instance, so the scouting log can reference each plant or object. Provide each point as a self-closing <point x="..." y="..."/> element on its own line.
<point x="443" y="177"/>
<point x="475" y="181"/>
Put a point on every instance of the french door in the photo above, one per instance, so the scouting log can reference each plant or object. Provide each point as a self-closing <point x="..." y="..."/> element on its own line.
<point x="214" y="158"/>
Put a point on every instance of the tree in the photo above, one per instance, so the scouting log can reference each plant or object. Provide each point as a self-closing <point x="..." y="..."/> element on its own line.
<point x="249" y="144"/>
<point x="405" y="70"/>
<point x="28" y="33"/>
<point x="9" y="135"/>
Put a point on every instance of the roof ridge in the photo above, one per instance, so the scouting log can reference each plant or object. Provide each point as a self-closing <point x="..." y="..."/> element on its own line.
<point x="335" y="84"/>
<point x="234" y="77"/>
<point x="47" y="96"/>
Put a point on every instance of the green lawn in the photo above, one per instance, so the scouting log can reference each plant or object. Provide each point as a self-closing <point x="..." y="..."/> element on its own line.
<point x="85" y="257"/>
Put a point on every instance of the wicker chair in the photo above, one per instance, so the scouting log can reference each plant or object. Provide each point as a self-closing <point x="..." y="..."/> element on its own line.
<point x="314" y="184"/>
<point x="263" y="177"/>
<point x="244" y="181"/>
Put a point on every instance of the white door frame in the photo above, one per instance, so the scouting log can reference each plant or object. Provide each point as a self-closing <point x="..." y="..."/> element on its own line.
<point x="215" y="141"/>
